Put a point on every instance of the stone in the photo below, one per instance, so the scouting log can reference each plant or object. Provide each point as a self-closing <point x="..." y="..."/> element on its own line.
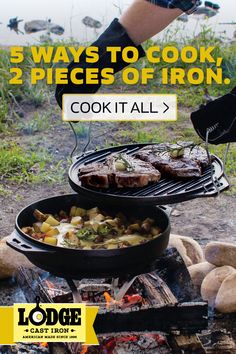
<point x="199" y="271"/>
<point x="226" y="298"/>
<point x="189" y="249"/>
<point x="194" y="250"/>
<point x="212" y="283"/>
<point x="221" y="253"/>
<point x="177" y="243"/>
<point x="11" y="260"/>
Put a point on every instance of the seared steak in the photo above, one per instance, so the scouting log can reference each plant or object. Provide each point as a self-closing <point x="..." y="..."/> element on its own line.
<point x="120" y="171"/>
<point x="190" y="163"/>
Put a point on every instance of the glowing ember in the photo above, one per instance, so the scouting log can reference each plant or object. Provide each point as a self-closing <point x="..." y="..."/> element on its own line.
<point x="127" y="301"/>
<point x="84" y="349"/>
<point x="109" y="299"/>
<point x="45" y="345"/>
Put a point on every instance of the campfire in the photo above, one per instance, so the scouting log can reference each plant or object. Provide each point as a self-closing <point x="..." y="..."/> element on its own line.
<point x="156" y="312"/>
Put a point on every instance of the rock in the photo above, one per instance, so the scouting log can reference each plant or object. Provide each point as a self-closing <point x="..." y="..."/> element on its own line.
<point x="212" y="283"/>
<point x="194" y="250"/>
<point x="199" y="271"/>
<point x="11" y="260"/>
<point x="189" y="249"/>
<point x="221" y="253"/>
<point x="226" y="298"/>
<point x="177" y="243"/>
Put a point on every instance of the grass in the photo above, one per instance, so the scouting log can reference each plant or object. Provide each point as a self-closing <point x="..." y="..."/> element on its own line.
<point x="16" y="164"/>
<point x="38" y="122"/>
<point x="19" y="165"/>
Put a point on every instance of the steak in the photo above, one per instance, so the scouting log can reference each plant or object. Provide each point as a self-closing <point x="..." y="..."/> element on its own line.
<point x="119" y="170"/>
<point x="189" y="164"/>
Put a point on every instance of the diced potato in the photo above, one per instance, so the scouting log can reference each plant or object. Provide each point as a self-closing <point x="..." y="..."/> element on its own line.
<point x="80" y="212"/>
<point x="93" y="212"/>
<point x="50" y="241"/>
<point x="111" y="246"/>
<point x="99" y="218"/>
<point x="133" y="240"/>
<point x="112" y="222"/>
<point x="45" y="227"/>
<point x="73" y="211"/>
<point x="87" y="223"/>
<point x="53" y="232"/>
<point x="155" y="231"/>
<point x="76" y="220"/>
<point x="52" y="221"/>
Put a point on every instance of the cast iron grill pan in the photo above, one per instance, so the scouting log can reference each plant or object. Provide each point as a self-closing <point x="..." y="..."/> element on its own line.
<point x="166" y="191"/>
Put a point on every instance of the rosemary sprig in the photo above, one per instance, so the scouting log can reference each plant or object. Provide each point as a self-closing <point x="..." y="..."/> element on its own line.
<point x="178" y="146"/>
<point x="128" y="166"/>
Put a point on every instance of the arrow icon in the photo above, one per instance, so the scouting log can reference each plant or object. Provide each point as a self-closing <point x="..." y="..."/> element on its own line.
<point x="167" y="107"/>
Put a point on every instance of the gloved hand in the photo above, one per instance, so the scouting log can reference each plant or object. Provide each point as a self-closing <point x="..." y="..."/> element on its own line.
<point x="218" y="118"/>
<point x="114" y="36"/>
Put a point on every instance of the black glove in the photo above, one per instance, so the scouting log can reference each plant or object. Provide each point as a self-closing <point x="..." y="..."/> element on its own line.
<point x="218" y="118"/>
<point x="114" y="36"/>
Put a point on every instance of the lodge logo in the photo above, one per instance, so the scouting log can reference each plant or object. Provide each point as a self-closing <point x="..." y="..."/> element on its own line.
<point x="48" y="323"/>
<point x="50" y="316"/>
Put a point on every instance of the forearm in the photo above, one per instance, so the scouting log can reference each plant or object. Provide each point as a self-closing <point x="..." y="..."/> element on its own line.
<point x="143" y="20"/>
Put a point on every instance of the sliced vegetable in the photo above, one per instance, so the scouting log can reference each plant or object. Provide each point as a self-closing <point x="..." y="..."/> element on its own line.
<point x="87" y="233"/>
<point x="104" y="229"/>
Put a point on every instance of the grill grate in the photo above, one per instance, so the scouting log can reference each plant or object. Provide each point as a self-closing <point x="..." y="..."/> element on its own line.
<point x="166" y="191"/>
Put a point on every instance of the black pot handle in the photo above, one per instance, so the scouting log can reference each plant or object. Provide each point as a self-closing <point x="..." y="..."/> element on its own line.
<point x="22" y="246"/>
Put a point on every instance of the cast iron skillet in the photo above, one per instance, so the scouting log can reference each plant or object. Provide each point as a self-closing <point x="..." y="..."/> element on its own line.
<point x="76" y="263"/>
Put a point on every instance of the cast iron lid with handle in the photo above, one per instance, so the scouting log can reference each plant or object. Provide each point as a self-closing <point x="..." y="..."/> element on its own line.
<point x="166" y="191"/>
<point x="78" y="263"/>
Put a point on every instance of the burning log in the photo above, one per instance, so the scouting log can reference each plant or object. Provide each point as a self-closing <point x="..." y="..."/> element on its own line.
<point x="186" y="317"/>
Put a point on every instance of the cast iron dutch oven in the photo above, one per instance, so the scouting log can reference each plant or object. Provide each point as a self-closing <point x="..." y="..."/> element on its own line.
<point x="76" y="263"/>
